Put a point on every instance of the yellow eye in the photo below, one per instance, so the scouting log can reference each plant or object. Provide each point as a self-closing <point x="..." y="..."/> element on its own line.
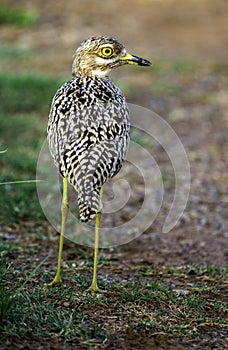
<point x="107" y="51"/>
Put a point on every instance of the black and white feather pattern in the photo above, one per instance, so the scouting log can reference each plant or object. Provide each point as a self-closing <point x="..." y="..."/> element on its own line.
<point x="88" y="136"/>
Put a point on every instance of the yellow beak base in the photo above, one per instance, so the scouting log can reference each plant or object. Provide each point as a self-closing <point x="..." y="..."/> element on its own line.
<point x="131" y="59"/>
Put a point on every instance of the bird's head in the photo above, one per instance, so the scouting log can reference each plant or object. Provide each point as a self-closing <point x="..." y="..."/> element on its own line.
<point x="98" y="55"/>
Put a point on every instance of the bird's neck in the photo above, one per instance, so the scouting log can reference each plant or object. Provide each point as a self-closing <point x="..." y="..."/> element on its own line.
<point x="94" y="74"/>
<point x="89" y="69"/>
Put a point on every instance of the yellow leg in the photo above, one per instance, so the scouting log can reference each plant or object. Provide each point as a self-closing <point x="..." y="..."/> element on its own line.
<point x="64" y="209"/>
<point x="94" y="287"/>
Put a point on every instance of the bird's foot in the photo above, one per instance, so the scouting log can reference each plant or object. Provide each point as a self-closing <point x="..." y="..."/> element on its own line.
<point x="56" y="281"/>
<point x="94" y="288"/>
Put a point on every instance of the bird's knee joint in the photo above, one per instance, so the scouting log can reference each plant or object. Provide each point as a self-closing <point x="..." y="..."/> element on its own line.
<point x="65" y="208"/>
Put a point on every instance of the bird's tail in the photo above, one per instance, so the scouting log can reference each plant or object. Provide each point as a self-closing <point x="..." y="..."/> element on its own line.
<point x="89" y="204"/>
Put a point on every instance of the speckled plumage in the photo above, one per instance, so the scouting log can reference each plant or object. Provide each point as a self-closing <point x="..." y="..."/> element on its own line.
<point x="88" y="131"/>
<point x="88" y="127"/>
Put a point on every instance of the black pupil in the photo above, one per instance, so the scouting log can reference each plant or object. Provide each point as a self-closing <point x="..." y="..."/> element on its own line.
<point x="108" y="51"/>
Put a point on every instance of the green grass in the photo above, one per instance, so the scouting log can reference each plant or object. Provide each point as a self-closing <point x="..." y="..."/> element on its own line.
<point x="25" y="103"/>
<point x="14" y="53"/>
<point x="177" y="67"/>
<point x="17" y="16"/>
<point x="141" y="138"/>
<point x="27" y="92"/>
<point x="168" y="76"/>
<point x="165" y="88"/>
<point x="29" y="309"/>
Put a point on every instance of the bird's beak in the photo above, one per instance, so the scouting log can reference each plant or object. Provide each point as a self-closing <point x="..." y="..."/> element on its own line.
<point x="130" y="59"/>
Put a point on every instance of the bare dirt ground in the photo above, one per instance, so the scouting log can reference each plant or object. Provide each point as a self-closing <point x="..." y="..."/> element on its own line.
<point x="194" y="30"/>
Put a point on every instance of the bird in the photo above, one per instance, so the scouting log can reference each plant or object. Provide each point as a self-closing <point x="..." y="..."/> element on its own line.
<point x="88" y="131"/>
